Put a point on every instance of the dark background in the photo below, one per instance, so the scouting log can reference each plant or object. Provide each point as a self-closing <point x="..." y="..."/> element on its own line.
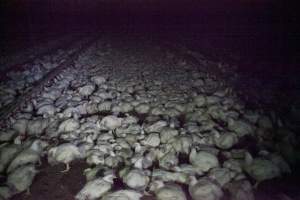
<point x="246" y="31"/>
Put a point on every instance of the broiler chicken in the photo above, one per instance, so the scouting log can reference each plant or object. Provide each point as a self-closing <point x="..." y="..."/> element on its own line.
<point x="64" y="153"/>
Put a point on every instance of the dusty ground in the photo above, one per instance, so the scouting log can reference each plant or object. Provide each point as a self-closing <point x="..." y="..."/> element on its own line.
<point x="50" y="183"/>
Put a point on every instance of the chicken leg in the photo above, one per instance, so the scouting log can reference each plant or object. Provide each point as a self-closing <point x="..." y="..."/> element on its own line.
<point x="28" y="193"/>
<point x="67" y="168"/>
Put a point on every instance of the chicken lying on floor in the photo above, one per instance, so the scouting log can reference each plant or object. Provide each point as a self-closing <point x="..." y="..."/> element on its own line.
<point x="96" y="188"/>
<point x="262" y="169"/>
<point x="21" y="179"/>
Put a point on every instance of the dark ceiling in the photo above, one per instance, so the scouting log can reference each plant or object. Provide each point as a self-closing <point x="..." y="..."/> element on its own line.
<point x="263" y="22"/>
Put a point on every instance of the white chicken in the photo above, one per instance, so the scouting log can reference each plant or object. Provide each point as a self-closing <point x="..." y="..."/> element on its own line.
<point x="136" y="179"/>
<point x="96" y="188"/>
<point x="110" y="122"/>
<point x="5" y="192"/>
<point x="27" y="156"/>
<point x="20" y="126"/>
<point x="240" y="190"/>
<point x="7" y="153"/>
<point x="203" y="160"/>
<point x="21" y="178"/>
<point x="64" y="153"/>
<point x="262" y="169"/>
<point x="168" y="191"/>
<point x="30" y="155"/>
<point x="6" y="136"/>
<point x="204" y="189"/>
<point x="38" y="145"/>
<point x="37" y="126"/>
<point x="69" y="125"/>
<point x="123" y="195"/>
